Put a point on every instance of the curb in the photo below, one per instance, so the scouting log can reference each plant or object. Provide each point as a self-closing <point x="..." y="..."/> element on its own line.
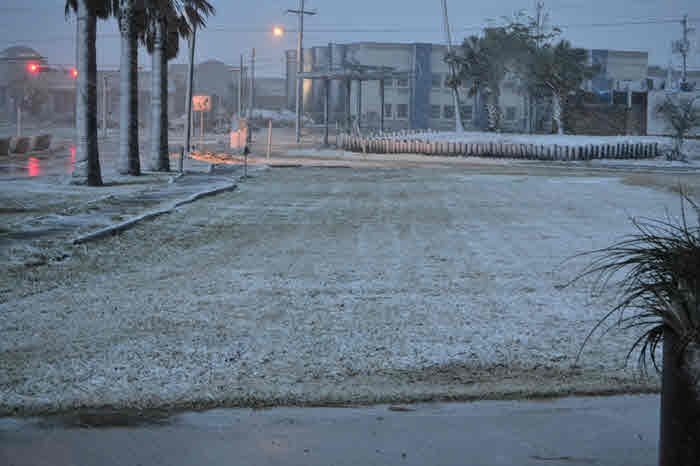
<point x="119" y="227"/>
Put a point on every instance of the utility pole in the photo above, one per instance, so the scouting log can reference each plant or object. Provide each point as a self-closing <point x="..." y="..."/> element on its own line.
<point x="684" y="48"/>
<point x="300" y="65"/>
<point x="240" y="89"/>
<point x="539" y="6"/>
<point x="104" y="104"/>
<point x="455" y="91"/>
<point x="251" y="96"/>
<point x="240" y="106"/>
<point x="75" y="84"/>
<point x="188" y="106"/>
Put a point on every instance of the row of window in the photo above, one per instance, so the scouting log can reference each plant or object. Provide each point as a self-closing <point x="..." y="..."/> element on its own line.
<point x="400" y="82"/>
<point x="439" y="80"/>
<point x="401" y="111"/>
<point x="440" y="111"/>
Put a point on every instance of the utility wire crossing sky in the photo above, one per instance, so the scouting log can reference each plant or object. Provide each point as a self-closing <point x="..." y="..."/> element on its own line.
<point x="639" y="25"/>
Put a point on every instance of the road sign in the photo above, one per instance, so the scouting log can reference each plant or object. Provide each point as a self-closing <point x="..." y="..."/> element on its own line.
<point x="201" y="103"/>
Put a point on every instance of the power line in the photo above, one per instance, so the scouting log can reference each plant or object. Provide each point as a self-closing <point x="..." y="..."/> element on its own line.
<point x="378" y="30"/>
<point x="369" y="30"/>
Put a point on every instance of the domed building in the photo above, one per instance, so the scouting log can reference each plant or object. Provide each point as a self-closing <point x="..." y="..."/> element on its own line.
<point x="52" y="90"/>
<point x="13" y="70"/>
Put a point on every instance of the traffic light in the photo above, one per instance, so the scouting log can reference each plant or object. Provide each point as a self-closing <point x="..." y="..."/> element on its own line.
<point x="36" y="68"/>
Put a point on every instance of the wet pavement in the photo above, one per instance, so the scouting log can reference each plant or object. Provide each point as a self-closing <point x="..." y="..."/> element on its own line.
<point x="58" y="162"/>
<point x="39" y="208"/>
<point x="611" y="431"/>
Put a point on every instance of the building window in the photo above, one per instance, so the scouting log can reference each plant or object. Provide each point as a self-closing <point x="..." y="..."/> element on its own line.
<point x="435" y="111"/>
<point x="402" y="82"/>
<point x="449" y="111"/>
<point x="387" y="111"/>
<point x="510" y="113"/>
<point x="437" y="80"/>
<point x="465" y="111"/>
<point x="402" y="111"/>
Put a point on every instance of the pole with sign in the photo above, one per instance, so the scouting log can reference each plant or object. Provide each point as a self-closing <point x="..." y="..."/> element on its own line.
<point x="201" y="103"/>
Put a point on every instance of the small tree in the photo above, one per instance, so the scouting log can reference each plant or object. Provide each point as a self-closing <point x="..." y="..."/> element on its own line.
<point x="682" y="116"/>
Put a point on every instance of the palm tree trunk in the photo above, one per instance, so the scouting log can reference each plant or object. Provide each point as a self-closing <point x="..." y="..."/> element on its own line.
<point x="129" y="163"/>
<point x="679" y="443"/>
<point x="160" y="160"/>
<point x="87" y="160"/>
<point x="476" y="109"/>
<point x="556" y="112"/>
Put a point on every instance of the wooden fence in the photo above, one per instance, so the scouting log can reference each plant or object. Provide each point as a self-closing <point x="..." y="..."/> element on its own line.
<point x="412" y="143"/>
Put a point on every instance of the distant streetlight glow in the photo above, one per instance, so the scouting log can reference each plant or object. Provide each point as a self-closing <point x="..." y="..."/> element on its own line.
<point x="278" y="31"/>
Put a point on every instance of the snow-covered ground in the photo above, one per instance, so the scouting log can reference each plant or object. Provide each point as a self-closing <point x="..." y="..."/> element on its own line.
<point x="516" y="138"/>
<point x="327" y="285"/>
<point x="277" y="115"/>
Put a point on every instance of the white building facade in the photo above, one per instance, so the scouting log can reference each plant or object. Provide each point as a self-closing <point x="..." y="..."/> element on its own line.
<point x="422" y="100"/>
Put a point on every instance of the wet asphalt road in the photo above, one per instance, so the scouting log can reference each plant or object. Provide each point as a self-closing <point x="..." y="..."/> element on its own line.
<point x="60" y="162"/>
<point x="613" y="431"/>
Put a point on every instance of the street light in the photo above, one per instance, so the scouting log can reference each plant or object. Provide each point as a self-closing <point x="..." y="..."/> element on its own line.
<point x="278" y="31"/>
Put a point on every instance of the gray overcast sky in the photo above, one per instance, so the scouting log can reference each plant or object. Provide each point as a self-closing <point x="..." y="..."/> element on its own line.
<point x="241" y="25"/>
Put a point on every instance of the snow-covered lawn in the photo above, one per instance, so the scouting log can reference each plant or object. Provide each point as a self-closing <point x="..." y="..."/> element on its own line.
<point x="326" y="285"/>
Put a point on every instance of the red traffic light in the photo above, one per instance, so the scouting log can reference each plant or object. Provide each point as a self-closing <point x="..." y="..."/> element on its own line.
<point x="33" y="67"/>
<point x="74" y="73"/>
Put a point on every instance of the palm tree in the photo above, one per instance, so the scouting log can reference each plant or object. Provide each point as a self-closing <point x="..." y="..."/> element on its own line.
<point x="560" y="70"/>
<point x="162" y="41"/>
<point x="474" y="66"/>
<point x="87" y="161"/>
<point x="167" y="21"/>
<point x="126" y="12"/>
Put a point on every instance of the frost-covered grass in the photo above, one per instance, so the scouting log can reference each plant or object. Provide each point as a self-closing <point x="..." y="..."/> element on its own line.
<point x="328" y="285"/>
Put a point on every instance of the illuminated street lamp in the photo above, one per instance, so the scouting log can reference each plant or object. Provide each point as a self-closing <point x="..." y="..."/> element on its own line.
<point x="278" y="31"/>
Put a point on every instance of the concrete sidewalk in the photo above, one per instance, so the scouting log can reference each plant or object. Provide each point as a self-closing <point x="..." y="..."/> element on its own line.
<point x="41" y="214"/>
<point x="612" y="431"/>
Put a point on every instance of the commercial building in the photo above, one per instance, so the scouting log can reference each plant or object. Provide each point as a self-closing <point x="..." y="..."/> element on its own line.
<point x="53" y="90"/>
<point x="421" y="99"/>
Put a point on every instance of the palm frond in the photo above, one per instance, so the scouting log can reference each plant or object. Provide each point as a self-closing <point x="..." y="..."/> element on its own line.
<point x="660" y="283"/>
